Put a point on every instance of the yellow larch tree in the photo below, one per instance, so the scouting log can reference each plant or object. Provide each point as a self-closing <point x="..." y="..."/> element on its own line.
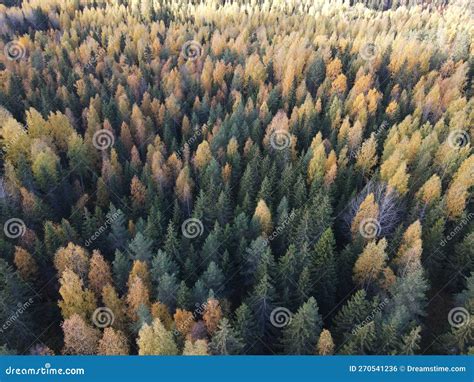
<point x="368" y="210"/>
<point x="409" y="252"/>
<point x="263" y="216"/>
<point x="370" y="264"/>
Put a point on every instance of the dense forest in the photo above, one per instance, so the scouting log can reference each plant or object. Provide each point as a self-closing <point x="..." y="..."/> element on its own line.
<point x="236" y="177"/>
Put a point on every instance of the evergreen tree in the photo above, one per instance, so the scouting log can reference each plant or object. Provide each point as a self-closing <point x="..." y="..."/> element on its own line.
<point x="225" y="341"/>
<point x="301" y="334"/>
<point x="323" y="271"/>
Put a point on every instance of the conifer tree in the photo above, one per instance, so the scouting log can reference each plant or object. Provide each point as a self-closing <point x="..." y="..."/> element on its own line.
<point x="225" y="341"/>
<point x="325" y="343"/>
<point x="154" y="339"/>
<point x="301" y="334"/>
<point x="113" y="343"/>
<point x="79" y="337"/>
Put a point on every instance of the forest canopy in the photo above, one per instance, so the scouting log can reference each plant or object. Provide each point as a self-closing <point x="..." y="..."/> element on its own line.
<point x="236" y="177"/>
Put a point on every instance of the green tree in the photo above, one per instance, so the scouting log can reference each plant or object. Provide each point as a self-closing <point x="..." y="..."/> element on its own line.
<point x="225" y="340"/>
<point x="302" y="333"/>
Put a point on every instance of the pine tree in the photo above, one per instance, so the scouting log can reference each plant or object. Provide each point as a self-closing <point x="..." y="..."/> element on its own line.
<point x="166" y="290"/>
<point x="225" y="341"/>
<point x="301" y="334"/>
<point x="353" y="313"/>
<point x="118" y="235"/>
<point x="15" y="295"/>
<point x="410" y="342"/>
<point x="121" y="268"/>
<point x="261" y="302"/>
<point x="323" y="271"/>
<point x="140" y="247"/>
<point x="213" y="278"/>
<point x="244" y="324"/>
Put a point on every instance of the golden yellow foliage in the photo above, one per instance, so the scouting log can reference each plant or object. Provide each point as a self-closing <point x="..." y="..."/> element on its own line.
<point x="370" y="264"/>
<point x="263" y="216"/>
